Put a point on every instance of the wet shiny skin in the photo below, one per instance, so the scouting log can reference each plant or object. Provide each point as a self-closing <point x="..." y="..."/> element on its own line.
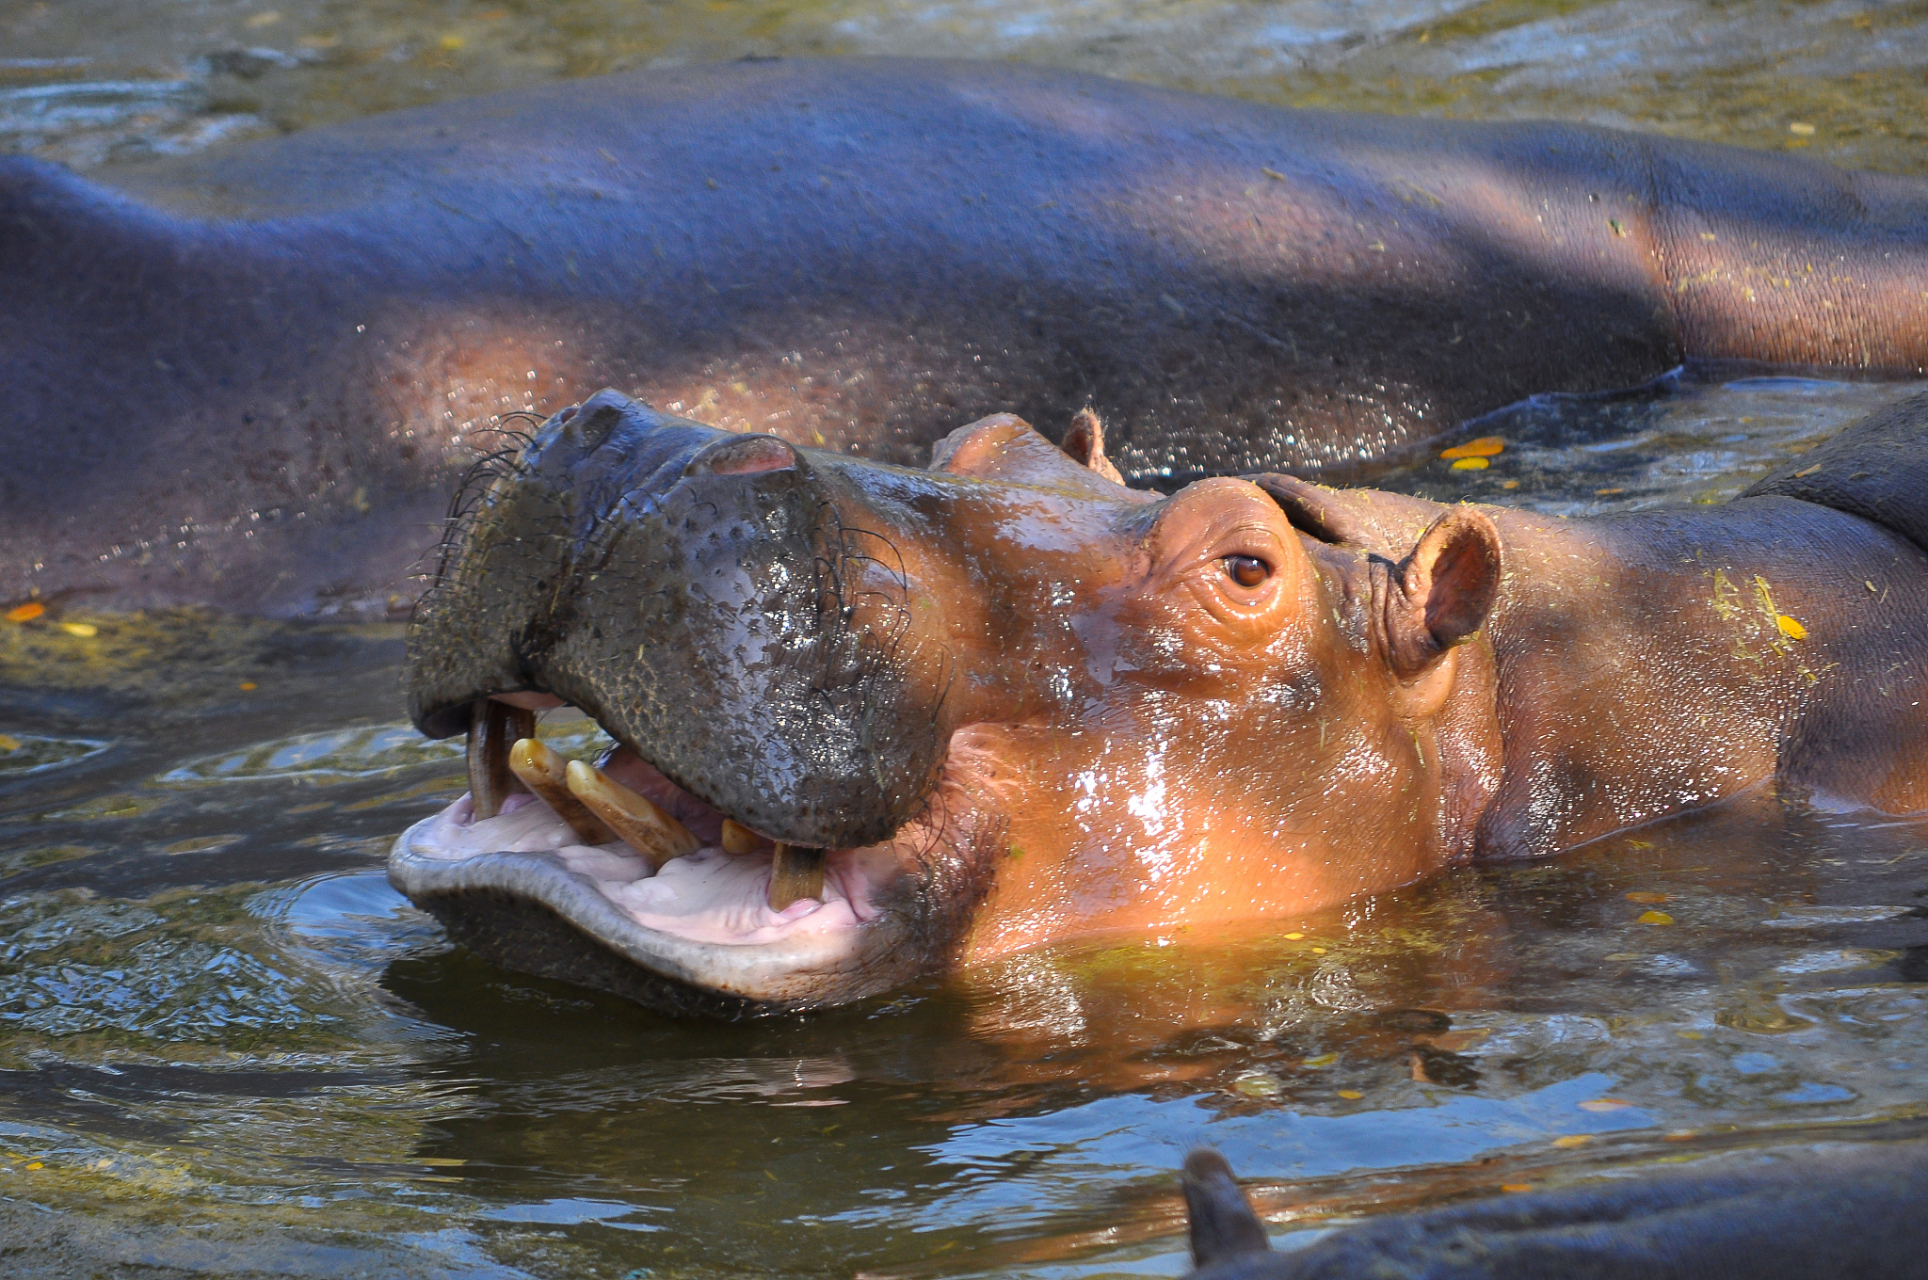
<point x="1244" y="701"/>
<point x="1176" y="748"/>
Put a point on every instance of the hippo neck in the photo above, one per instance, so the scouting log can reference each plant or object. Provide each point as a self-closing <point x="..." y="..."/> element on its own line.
<point x="1654" y="662"/>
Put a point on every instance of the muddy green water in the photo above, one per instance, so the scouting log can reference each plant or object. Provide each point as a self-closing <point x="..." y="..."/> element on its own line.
<point x="227" y="1047"/>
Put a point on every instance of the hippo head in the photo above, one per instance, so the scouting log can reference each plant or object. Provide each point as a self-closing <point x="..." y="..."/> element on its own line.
<point x="873" y="720"/>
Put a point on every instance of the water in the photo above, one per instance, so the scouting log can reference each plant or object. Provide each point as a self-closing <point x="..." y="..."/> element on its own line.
<point x="94" y="81"/>
<point x="215" y="1014"/>
<point x="227" y="1047"/>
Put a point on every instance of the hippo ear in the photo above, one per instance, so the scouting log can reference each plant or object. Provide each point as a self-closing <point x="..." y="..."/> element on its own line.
<point x="1223" y="1224"/>
<point x="1443" y="591"/>
<point x="1006" y="447"/>
<point x="1085" y="442"/>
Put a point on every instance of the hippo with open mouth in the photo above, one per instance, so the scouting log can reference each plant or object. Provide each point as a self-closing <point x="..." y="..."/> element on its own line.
<point x="873" y="721"/>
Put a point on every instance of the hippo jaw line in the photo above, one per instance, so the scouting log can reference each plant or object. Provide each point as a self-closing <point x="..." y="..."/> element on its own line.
<point x="700" y="925"/>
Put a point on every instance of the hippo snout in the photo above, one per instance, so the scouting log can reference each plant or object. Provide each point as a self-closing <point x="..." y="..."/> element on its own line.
<point x="761" y="836"/>
<point x="697" y="593"/>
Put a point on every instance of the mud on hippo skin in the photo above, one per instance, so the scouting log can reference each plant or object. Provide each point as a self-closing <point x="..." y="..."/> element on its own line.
<point x="874" y="721"/>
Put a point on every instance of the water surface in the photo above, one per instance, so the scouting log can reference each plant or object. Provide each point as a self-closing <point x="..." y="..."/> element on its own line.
<point x="96" y="81"/>
<point x="227" y="1047"/>
<point x="221" y="1030"/>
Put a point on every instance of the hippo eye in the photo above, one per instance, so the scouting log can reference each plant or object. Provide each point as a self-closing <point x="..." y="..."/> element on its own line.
<point x="1247" y="571"/>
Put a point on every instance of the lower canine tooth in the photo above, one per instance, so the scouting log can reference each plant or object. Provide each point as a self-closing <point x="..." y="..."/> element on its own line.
<point x="646" y="828"/>
<point x="493" y="726"/>
<point x="739" y="839"/>
<point x="545" y="773"/>
<point x="796" y="873"/>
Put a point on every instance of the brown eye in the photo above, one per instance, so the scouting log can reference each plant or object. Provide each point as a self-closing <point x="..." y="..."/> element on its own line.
<point x="1247" y="571"/>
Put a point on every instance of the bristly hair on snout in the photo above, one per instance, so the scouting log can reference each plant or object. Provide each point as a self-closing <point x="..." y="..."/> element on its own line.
<point x="503" y="462"/>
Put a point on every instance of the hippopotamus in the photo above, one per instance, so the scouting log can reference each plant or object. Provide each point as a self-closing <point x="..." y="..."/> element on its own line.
<point x="1842" y="1212"/>
<point x="249" y="378"/>
<point x="873" y="721"/>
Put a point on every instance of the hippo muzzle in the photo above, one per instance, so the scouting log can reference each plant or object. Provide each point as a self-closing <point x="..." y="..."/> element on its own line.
<point x="770" y="833"/>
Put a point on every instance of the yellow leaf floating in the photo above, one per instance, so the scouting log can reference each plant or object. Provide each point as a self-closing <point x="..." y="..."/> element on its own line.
<point x="1516" y="1186"/>
<point x="1655" y="917"/>
<point x="1484" y="447"/>
<point x="1470" y="464"/>
<point x="9" y="743"/>
<point x="85" y="630"/>
<point x="26" y="612"/>
<point x="1323" y="1060"/>
<point x="1573" y="1140"/>
<point x="1790" y="628"/>
<point x="1351" y="1095"/>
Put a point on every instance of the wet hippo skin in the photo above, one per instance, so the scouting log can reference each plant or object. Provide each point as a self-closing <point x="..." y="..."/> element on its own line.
<point x="1006" y="700"/>
<point x="1840" y="1213"/>
<point x="250" y="377"/>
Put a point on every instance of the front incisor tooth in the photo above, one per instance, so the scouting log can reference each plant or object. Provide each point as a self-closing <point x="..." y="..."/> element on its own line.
<point x="796" y="873"/>
<point x="493" y="726"/>
<point x="646" y="828"/>
<point x="546" y="773"/>
<point x="739" y="839"/>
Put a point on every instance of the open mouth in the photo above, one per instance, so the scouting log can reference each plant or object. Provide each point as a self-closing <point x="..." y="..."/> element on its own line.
<point x="610" y="875"/>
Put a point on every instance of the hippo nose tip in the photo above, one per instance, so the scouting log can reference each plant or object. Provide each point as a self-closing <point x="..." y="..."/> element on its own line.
<point x="593" y="421"/>
<point x="745" y="455"/>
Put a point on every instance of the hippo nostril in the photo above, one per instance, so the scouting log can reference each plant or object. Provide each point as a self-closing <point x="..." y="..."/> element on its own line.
<point x="593" y="427"/>
<point x="748" y="455"/>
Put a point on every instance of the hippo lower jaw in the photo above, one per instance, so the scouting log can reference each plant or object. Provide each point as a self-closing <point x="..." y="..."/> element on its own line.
<point x="697" y="934"/>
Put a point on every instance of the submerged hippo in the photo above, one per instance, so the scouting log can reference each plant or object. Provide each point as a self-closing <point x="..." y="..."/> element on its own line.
<point x="249" y="378"/>
<point x="875" y="720"/>
<point x="1853" y="1212"/>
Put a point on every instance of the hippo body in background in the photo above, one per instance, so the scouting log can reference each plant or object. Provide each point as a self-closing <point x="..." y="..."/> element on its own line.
<point x="1843" y="1213"/>
<point x="249" y="378"/>
<point x="1007" y="700"/>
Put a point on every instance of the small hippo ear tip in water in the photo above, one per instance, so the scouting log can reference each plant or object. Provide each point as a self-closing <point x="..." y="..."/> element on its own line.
<point x="1223" y="1226"/>
<point x="1802" y="1213"/>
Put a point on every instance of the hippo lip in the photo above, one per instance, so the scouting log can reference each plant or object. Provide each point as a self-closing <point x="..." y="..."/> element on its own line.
<point x="698" y="933"/>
